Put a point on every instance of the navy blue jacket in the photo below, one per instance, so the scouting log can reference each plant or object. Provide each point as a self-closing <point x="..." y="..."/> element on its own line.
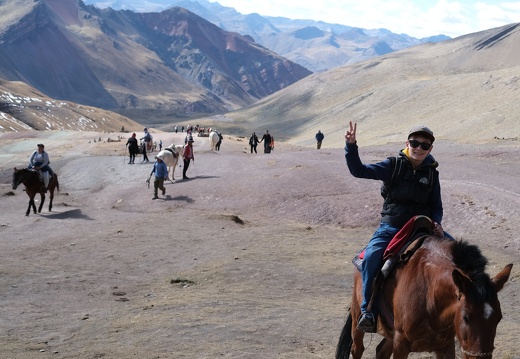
<point x="416" y="192"/>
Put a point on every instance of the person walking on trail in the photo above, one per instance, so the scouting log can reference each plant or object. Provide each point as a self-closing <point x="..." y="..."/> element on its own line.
<point x="253" y="142"/>
<point x="266" y="139"/>
<point x="39" y="161"/>
<point x="133" y="148"/>
<point x="319" y="138"/>
<point x="220" y="138"/>
<point x="160" y="170"/>
<point x="416" y="191"/>
<point x="187" y="155"/>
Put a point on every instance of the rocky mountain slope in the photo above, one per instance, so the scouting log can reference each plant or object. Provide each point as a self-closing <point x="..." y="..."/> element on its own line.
<point x="23" y="108"/>
<point x="316" y="45"/>
<point x="173" y="61"/>
<point x="466" y="89"/>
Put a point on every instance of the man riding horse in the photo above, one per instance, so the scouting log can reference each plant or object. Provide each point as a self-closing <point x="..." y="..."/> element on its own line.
<point x="147" y="139"/>
<point x="39" y="161"/>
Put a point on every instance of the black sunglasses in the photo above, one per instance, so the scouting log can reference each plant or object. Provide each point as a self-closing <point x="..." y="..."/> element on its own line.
<point x="424" y="145"/>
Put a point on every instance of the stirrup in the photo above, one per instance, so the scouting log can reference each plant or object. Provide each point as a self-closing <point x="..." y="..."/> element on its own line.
<point x="367" y="323"/>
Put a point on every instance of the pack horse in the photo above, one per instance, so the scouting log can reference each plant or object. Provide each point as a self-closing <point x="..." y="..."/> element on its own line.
<point x="33" y="185"/>
<point x="170" y="156"/>
<point x="213" y="140"/>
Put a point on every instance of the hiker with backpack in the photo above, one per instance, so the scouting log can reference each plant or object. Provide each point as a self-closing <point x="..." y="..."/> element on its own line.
<point x="410" y="187"/>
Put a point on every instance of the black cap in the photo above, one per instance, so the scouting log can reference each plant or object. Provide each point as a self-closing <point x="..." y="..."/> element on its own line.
<point x="423" y="130"/>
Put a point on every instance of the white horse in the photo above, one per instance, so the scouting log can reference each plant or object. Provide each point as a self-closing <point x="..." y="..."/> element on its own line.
<point x="170" y="156"/>
<point x="213" y="140"/>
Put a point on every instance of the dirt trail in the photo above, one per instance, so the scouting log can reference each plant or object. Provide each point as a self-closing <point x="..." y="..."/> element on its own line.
<point x="250" y="258"/>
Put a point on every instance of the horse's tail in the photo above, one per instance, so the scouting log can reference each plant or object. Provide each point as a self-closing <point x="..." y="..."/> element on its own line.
<point x="57" y="182"/>
<point x="345" y="339"/>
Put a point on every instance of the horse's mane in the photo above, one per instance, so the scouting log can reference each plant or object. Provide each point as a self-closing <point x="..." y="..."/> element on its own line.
<point x="469" y="259"/>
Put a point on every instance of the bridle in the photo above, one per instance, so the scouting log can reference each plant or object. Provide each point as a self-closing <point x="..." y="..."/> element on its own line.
<point x="480" y="355"/>
<point x="21" y="178"/>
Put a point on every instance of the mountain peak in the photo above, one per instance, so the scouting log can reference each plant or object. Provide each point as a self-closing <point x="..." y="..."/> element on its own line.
<point x="169" y="61"/>
<point x="309" y="32"/>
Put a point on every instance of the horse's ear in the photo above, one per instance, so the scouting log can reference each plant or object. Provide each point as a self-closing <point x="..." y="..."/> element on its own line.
<point x="461" y="281"/>
<point x="501" y="278"/>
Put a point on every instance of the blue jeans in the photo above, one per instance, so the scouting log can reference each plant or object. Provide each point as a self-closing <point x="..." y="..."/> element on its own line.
<point x="373" y="259"/>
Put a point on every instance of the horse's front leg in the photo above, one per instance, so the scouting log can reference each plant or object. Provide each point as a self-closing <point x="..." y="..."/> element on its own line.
<point x="51" y="197"/>
<point x="31" y="204"/>
<point x="42" y="196"/>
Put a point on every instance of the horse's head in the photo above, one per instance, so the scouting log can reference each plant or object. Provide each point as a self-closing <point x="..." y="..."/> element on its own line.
<point x="17" y="178"/>
<point x="478" y="312"/>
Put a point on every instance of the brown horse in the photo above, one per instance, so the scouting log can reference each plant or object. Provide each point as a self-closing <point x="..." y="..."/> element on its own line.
<point x="442" y="292"/>
<point x="33" y="185"/>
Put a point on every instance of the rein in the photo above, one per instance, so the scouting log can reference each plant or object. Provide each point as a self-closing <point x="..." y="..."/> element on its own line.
<point x="471" y="354"/>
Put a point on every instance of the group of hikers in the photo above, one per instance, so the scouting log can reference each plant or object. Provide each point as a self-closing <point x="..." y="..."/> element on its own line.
<point x="134" y="148"/>
<point x="160" y="170"/>
<point x="267" y="139"/>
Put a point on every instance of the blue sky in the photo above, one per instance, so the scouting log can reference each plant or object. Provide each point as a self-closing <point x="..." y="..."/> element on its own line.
<point x="419" y="18"/>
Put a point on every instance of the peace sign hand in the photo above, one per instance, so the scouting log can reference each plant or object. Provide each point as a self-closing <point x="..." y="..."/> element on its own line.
<point x="350" y="135"/>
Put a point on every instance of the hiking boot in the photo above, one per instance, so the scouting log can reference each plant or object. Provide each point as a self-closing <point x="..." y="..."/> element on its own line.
<point x="155" y="197"/>
<point x="164" y="191"/>
<point x="367" y="323"/>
